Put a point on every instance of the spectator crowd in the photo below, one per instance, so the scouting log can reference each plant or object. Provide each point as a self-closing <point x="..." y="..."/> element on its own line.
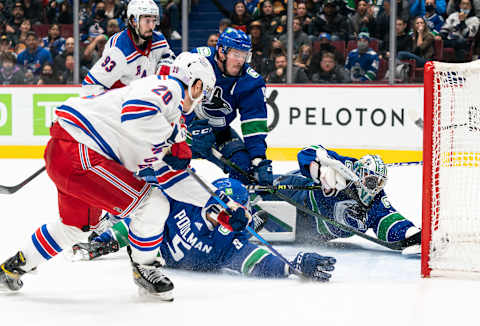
<point x="338" y="41"/>
<point x="334" y="41"/>
<point x="28" y="58"/>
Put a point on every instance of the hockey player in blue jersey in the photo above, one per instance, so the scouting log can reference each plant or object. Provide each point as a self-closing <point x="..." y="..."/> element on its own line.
<point x="193" y="240"/>
<point x="239" y="90"/>
<point x="362" y="206"/>
<point x="362" y="63"/>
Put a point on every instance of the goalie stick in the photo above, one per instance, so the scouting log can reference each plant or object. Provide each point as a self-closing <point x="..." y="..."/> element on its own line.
<point x="281" y="187"/>
<point x="396" y="245"/>
<point x="404" y="163"/>
<point x="248" y="228"/>
<point x="6" y="190"/>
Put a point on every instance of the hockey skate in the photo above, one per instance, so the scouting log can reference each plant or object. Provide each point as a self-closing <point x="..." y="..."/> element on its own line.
<point x="151" y="281"/>
<point x="94" y="249"/>
<point x="412" y="243"/>
<point x="10" y="273"/>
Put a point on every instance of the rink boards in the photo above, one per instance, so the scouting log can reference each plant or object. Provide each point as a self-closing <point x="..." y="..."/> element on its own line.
<point x="353" y="119"/>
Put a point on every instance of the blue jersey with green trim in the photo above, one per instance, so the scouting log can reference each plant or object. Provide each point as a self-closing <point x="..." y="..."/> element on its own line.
<point x="191" y="242"/>
<point x="387" y="223"/>
<point x="362" y="66"/>
<point x="245" y="94"/>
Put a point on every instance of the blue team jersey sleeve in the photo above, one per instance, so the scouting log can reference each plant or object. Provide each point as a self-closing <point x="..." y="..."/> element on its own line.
<point x="253" y="112"/>
<point x="387" y="223"/>
<point x="308" y="154"/>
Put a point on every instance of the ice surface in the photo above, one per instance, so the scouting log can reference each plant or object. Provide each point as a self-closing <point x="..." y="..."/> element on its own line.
<point x="371" y="285"/>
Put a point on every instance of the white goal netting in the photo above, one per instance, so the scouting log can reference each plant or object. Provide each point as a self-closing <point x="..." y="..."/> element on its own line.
<point x="455" y="168"/>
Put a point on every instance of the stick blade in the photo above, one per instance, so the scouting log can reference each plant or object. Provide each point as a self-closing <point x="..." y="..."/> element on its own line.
<point x="7" y="190"/>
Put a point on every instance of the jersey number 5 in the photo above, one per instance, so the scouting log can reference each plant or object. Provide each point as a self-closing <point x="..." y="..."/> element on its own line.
<point x="176" y="251"/>
<point x="108" y="64"/>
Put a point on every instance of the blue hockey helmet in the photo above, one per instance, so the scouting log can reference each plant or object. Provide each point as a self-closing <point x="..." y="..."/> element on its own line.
<point x="232" y="188"/>
<point x="232" y="38"/>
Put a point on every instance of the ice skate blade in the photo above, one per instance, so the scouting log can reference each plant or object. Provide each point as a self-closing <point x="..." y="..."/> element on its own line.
<point x="4" y="288"/>
<point x="166" y="296"/>
<point x="412" y="250"/>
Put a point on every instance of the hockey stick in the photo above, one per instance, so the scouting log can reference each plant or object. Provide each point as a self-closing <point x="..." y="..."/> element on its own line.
<point x="405" y="163"/>
<point x="249" y="229"/>
<point x="281" y="187"/>
<point x="6" y="190"/>
<point x="396" y="245"/>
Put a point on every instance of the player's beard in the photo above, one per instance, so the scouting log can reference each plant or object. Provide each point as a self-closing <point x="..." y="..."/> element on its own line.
<point x="145" y="38"/>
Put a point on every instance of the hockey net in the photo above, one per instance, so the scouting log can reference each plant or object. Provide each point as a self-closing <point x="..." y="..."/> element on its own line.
<point x="451" y="172"/>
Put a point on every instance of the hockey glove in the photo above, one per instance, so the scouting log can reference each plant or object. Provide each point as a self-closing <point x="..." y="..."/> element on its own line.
<point x="262" y="171"/>
<point x="147" y="174"/>
<point x="180" y="156"/>
<point x="328" y="177"/>
<point x="314" y="266"/>
<point x="236" y="218"/>
<point x="203" y="138"/>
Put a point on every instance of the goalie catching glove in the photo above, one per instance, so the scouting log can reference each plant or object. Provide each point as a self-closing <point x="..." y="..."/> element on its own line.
<point x="328" y="177"/>
<point x="314" y="265"/>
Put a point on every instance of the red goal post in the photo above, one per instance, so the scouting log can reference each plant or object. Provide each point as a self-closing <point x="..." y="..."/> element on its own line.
<point x="451" y="170"/>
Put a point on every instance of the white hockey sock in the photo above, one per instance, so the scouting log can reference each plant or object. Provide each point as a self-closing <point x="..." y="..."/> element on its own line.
<point x="48" y="241"/>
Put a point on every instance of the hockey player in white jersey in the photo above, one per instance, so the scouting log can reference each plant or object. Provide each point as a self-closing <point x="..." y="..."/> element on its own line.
<point x="133" y="53"/>
<point x="97" y="145"/>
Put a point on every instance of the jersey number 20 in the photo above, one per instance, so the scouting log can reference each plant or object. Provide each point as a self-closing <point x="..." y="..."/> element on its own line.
<point x="164" y="93"/>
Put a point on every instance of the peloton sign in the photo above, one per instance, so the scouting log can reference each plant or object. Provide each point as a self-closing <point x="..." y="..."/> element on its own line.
<point x="339" y="116"/>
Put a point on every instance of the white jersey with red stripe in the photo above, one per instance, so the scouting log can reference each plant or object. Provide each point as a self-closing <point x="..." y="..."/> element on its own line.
<point x="123" y="62"/>
<point x="131" y="125"/>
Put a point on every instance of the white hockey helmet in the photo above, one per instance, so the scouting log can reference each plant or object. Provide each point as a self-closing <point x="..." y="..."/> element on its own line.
<point x="137" y="8"/>
<point x="190" y="67"/>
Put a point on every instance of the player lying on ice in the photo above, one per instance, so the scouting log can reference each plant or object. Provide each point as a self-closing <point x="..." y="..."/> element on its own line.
<point x="97" y="144"/>
<point x="193" y="240"/>
<point x="363" y="205"/>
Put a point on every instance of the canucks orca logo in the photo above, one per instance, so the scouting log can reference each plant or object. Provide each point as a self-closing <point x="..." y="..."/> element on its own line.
<point x="218" y="102"/>
<point x="215" y="110"/>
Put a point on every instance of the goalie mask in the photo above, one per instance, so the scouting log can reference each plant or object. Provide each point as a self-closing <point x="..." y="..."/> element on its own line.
<point x="372" y="172"/>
